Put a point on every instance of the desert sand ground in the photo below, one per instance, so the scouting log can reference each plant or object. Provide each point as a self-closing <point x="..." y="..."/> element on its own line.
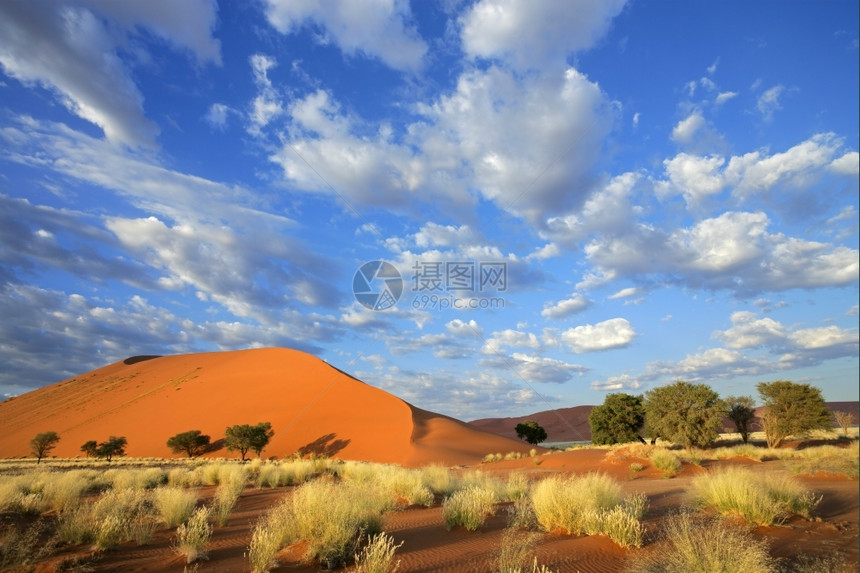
<point x="318" y="410"/>
<point x="427" y="545"/>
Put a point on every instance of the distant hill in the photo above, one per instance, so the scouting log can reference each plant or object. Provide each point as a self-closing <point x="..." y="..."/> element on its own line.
<point x="312" y="406"/>
<point x="571" y="424"/>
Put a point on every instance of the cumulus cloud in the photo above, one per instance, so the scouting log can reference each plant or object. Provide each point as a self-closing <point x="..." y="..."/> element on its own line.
<point x="69" y="50"/>
<point x="566" y="307"/>
<point x="754" y="346"/>
<point x="606" y="335"/>
<point x="534" y="34"/>
<point x="379" y="29"/>
<point x="534" y="368"/>
<point x="510" y="338"/>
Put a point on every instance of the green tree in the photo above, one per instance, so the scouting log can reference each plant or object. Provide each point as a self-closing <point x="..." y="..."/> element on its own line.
<point x="245" y="438"/>
<point x="685" y="413"/>
<point x="42" y="444"/>
<point x="90" y="448"/>
<point x="741" y="411"/>
<point x="619" y="420"/>
<point x="114" y="446"/>
<point x="530" y="431"/>
<point x="791" y="409"/>
<point x="192" y="442"/>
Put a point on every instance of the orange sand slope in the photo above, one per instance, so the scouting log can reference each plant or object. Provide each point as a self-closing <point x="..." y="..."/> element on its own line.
<point x="312" y="407"/>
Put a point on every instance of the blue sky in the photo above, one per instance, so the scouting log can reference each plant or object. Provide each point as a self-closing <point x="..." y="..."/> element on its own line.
<point x="614" y="195"/>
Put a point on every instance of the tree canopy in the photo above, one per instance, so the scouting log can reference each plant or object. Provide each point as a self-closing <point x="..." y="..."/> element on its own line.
<point x="192" y="442"/>
<point x="114" y="446"/>
<point x="791" y="409"/>
<point x="684" y="413"/>
<point x="530" y="431"/>
<point x="619" y="420"/>
<point x="741" y="411"/>
<point x="245" y="438"/>
<point x="42" y="444"/>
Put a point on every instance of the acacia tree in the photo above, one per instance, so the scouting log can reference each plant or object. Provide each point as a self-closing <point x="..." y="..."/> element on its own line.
<point x="619" y="420"/>
<point x="791" y="409"/>
<point x="245" y="437"/>
<point x="685" y="413"/>
<point x="114" y="446"/>
<point x="90" y="448"/>
<point x="741" y="411"/>
<point x="844" y="420"/>
<point x="530" y="431"/>
<point x="42" y="444"/>
<point x="192" y="442"/>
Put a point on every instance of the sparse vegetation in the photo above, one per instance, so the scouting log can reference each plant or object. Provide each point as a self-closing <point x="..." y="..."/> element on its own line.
<point x="378" y="555"/>
<point x="665" y="460"/>
<point x="760" y="498"/>
<point x="42" y="444"/>
<point x="192" y="537"/>
<point x="844" y="420"/>
<point x="704" y="544"/>
<point x="591" y="505"/>
<point x="174" y="505"/>
<point x="468" y="507"/>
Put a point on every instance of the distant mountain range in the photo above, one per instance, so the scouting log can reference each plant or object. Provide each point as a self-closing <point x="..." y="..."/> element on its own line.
<point x="571" y="424"/>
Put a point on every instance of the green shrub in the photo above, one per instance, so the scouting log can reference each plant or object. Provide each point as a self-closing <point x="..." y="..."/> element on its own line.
<point x="468" y="507"/>
<point x="702" y="544"/>
<point x="762" y="499"/>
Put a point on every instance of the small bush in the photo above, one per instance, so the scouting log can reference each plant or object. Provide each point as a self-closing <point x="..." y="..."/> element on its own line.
<point x="378" y="556"/>
<point x="121" y="515"/>
<point x="226" y="496"/>
<point x="665" y="460"/>
<point x="193" y="536"/>
<point x="762" y="499"/>
<point x="701" y="544"/>
<point x="833" y="563"/>
<point x="438" y="479"/>
<point x="174" y="505"/>
<point x="591" y="504"/>
<point x="21" y="550"/>
<point x="468" y="507"/>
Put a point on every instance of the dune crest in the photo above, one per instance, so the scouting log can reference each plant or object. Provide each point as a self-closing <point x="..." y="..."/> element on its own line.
<point x="312" y="406"/>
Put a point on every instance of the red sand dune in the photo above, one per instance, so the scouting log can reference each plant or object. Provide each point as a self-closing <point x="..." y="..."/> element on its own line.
<point x="312" y="406"/>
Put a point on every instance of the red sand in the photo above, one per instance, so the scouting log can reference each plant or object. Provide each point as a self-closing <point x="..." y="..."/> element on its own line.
<point x="312" y="407"/>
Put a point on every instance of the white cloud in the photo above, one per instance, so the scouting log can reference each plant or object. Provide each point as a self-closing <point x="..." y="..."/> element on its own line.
<point x="848" y="164"/>
<point x="566" y="307"/>
<point x="723" y="97"/>
<point x="626" y="293"/>
<point x="217" y="116"/>
<point x="606" y="335"/>
<point x="69" y="50"/>
<point x="378" y="29"/>
<point x="751" y="332"/>
<point x="686" y="129"/>
<point x="510" y="338"/>
<point x="536" y="34"/>
<point x="768" y="102"/>
<point x="462" y="329"/>
<point x="533" y="368"/>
